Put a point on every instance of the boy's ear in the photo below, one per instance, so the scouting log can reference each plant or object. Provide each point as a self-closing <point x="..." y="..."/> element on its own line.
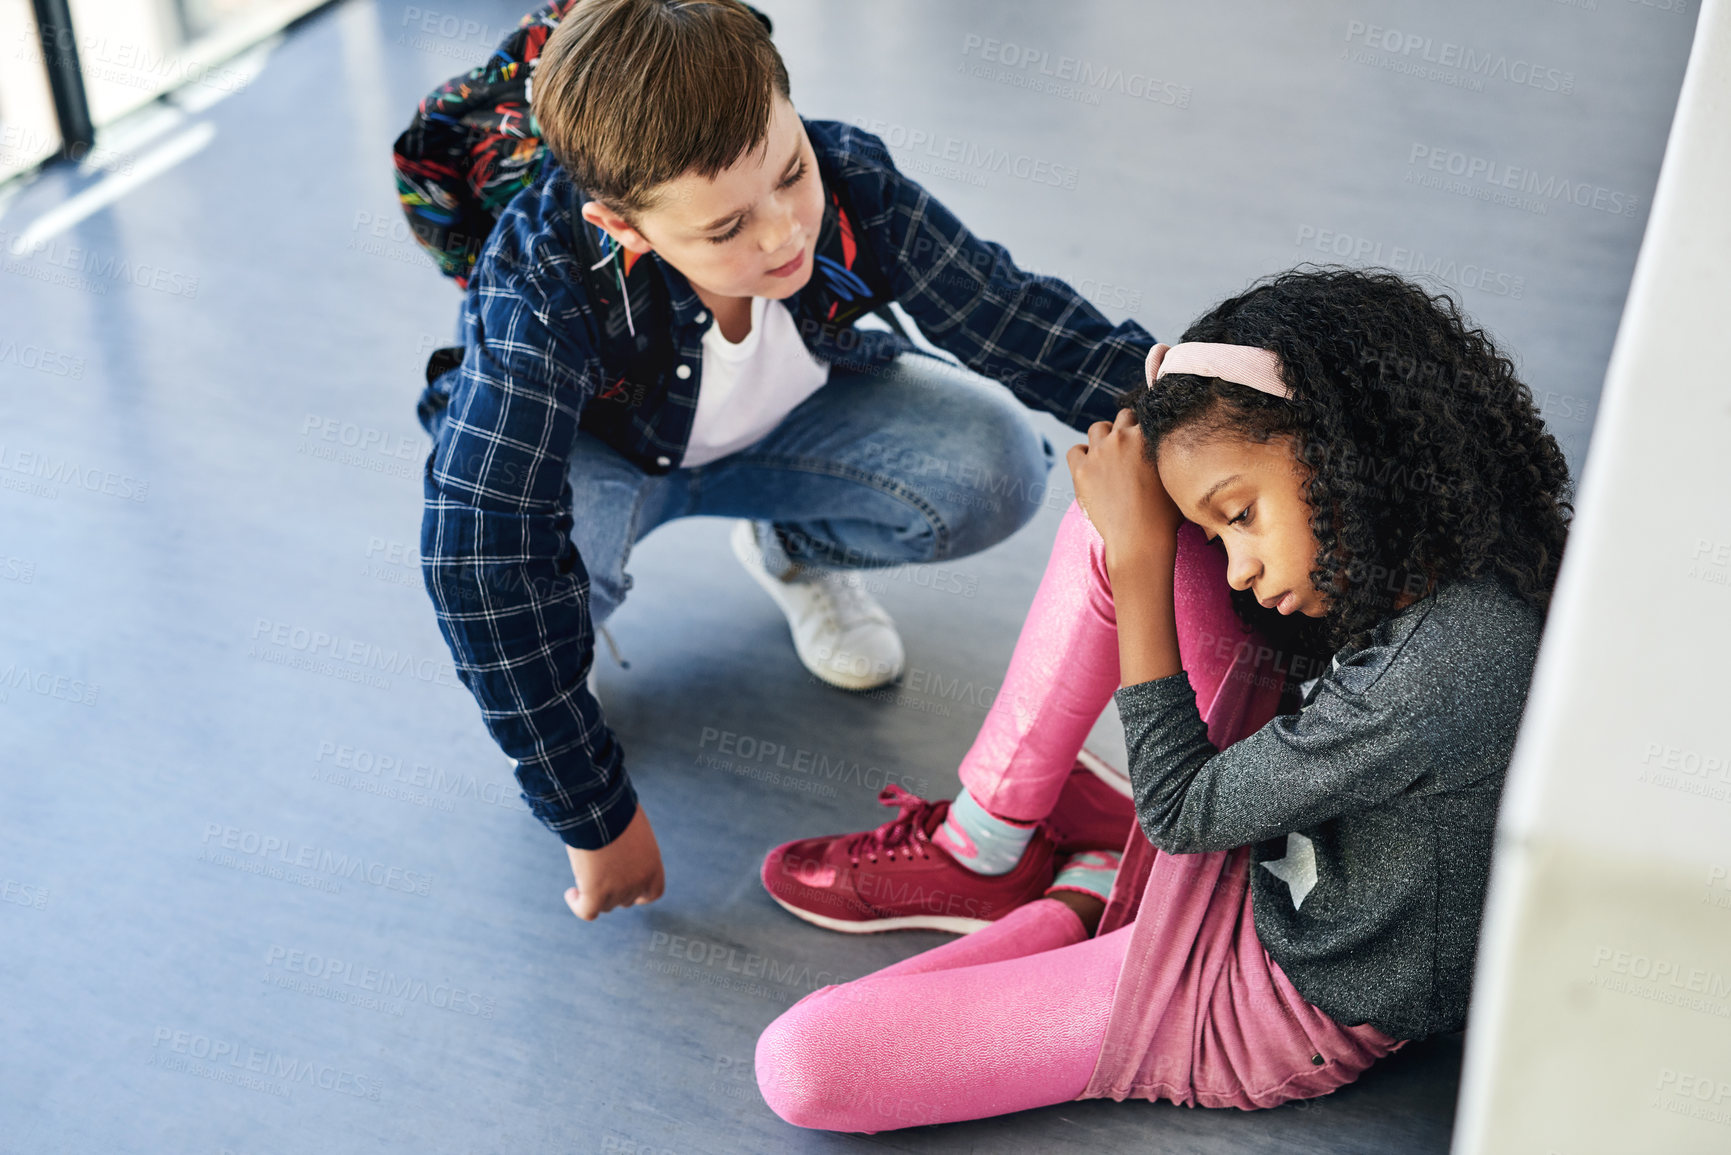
<point x="617" y="226"/>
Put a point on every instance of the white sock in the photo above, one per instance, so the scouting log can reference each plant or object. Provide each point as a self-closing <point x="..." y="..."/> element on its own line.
<point x="981" y="841"/>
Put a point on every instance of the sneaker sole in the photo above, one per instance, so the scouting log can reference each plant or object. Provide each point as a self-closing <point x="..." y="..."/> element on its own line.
<point x="875" y="926"/>
<point x="745" y="549"/>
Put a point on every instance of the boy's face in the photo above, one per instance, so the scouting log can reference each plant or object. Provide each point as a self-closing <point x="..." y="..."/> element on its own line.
<point x="750" y="231"/>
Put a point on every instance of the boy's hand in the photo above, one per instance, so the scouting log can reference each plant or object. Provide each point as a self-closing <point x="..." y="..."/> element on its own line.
<point x="625" y="872"/>
<point x="1119" y="489"/>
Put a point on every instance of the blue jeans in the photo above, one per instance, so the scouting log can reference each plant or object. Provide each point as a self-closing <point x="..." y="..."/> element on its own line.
<point x="917" y="461"/>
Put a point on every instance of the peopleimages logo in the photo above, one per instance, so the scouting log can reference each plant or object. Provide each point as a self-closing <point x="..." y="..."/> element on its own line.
<point x="286" y="851"/>
<point x="1447" y="54"/>
<point x="80" y="261"/>
<point x="942" y="154"/>
<point x="1076" y="77"/>
<point x="67" y="689"/>
<point x="131" y="64"/>
<point x="64" y="471"/>
<point x="362" y="657"/>
<point x="178" y="1050"/>
<point x="1485" y="179"/>
<point x="1414" y="261"/>
<point x="336" y="974"/>
<point x="41" y="358"/>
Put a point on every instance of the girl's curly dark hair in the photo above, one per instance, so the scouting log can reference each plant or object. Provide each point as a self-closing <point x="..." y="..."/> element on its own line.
<point x="1427" y="458"/>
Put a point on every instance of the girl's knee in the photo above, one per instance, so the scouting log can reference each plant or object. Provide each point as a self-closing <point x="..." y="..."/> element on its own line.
<point x="803" y="1066"/>
<point x="790" y="1069"/>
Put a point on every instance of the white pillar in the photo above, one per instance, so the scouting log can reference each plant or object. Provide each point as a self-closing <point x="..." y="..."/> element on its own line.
<point x="1601" y="1014"/>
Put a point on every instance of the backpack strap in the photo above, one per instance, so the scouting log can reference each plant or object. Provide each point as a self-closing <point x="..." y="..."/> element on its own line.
<point x="633" y="313"/>
<point x="849" y="282"/>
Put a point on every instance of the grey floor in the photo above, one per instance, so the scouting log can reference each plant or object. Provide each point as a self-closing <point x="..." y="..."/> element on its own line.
<point x="213" y="453"/>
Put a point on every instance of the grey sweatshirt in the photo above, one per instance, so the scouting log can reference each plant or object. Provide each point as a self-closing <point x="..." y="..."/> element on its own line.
<point x="1370" y="812"/>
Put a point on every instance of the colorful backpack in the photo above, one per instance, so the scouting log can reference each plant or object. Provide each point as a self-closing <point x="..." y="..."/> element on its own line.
<point x="473" y="145"/>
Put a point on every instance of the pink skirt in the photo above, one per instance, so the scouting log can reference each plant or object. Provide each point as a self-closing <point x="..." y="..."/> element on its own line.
<point x="1201" y="1015"/>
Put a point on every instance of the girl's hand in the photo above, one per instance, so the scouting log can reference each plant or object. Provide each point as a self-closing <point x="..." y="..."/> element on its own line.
<point x="1119" y="489"/>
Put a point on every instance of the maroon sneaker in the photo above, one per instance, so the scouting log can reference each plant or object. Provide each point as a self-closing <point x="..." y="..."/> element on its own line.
<point x="897" y="878"/>
<point x="1093" y="811"/>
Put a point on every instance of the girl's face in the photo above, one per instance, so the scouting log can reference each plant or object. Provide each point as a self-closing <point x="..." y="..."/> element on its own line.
<point x="1250" y="495"/>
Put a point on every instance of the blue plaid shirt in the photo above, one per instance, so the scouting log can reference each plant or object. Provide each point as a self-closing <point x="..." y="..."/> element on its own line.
<point x="511" y="593"/>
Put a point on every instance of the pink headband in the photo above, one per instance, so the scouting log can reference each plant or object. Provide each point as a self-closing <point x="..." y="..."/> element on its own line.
<point x="1240" y="364"/>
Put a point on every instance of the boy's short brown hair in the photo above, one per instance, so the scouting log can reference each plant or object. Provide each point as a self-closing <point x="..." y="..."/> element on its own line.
<point x="630" y="94"/>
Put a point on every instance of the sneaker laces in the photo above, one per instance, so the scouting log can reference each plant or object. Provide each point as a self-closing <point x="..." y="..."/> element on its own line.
<point x="849" y="603"/>
<point x="613" y="647"/>
<point x="907" y="833"/>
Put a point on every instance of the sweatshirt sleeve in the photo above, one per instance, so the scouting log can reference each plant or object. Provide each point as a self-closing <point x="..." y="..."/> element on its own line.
<point x="1392" y="717"/>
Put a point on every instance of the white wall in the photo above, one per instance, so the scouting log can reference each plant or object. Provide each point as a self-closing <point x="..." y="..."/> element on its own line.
<point x="1601" y="1019"/>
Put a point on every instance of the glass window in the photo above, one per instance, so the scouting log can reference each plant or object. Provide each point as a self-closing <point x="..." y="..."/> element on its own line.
<point x="132" y="51"/>
<point x="29" y="131"/>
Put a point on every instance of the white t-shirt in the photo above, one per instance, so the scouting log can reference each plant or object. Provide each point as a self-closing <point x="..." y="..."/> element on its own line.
<point x="746" y="389"/>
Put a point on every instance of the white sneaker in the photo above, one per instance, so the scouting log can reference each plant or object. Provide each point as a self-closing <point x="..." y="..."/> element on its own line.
<point x="840" y="632"/>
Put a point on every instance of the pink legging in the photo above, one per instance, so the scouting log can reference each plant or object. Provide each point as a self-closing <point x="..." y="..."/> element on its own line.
<point x="1007" y="1018"/>
<point x="1013" y="1016"/>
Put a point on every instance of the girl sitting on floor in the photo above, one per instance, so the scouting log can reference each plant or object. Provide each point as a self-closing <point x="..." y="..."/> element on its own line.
<point x="1271" y="902"/>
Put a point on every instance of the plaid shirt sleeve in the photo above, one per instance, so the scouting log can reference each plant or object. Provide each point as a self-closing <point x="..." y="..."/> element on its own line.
<point x="1036" y="334"/>
<point x="511" y="593"/>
